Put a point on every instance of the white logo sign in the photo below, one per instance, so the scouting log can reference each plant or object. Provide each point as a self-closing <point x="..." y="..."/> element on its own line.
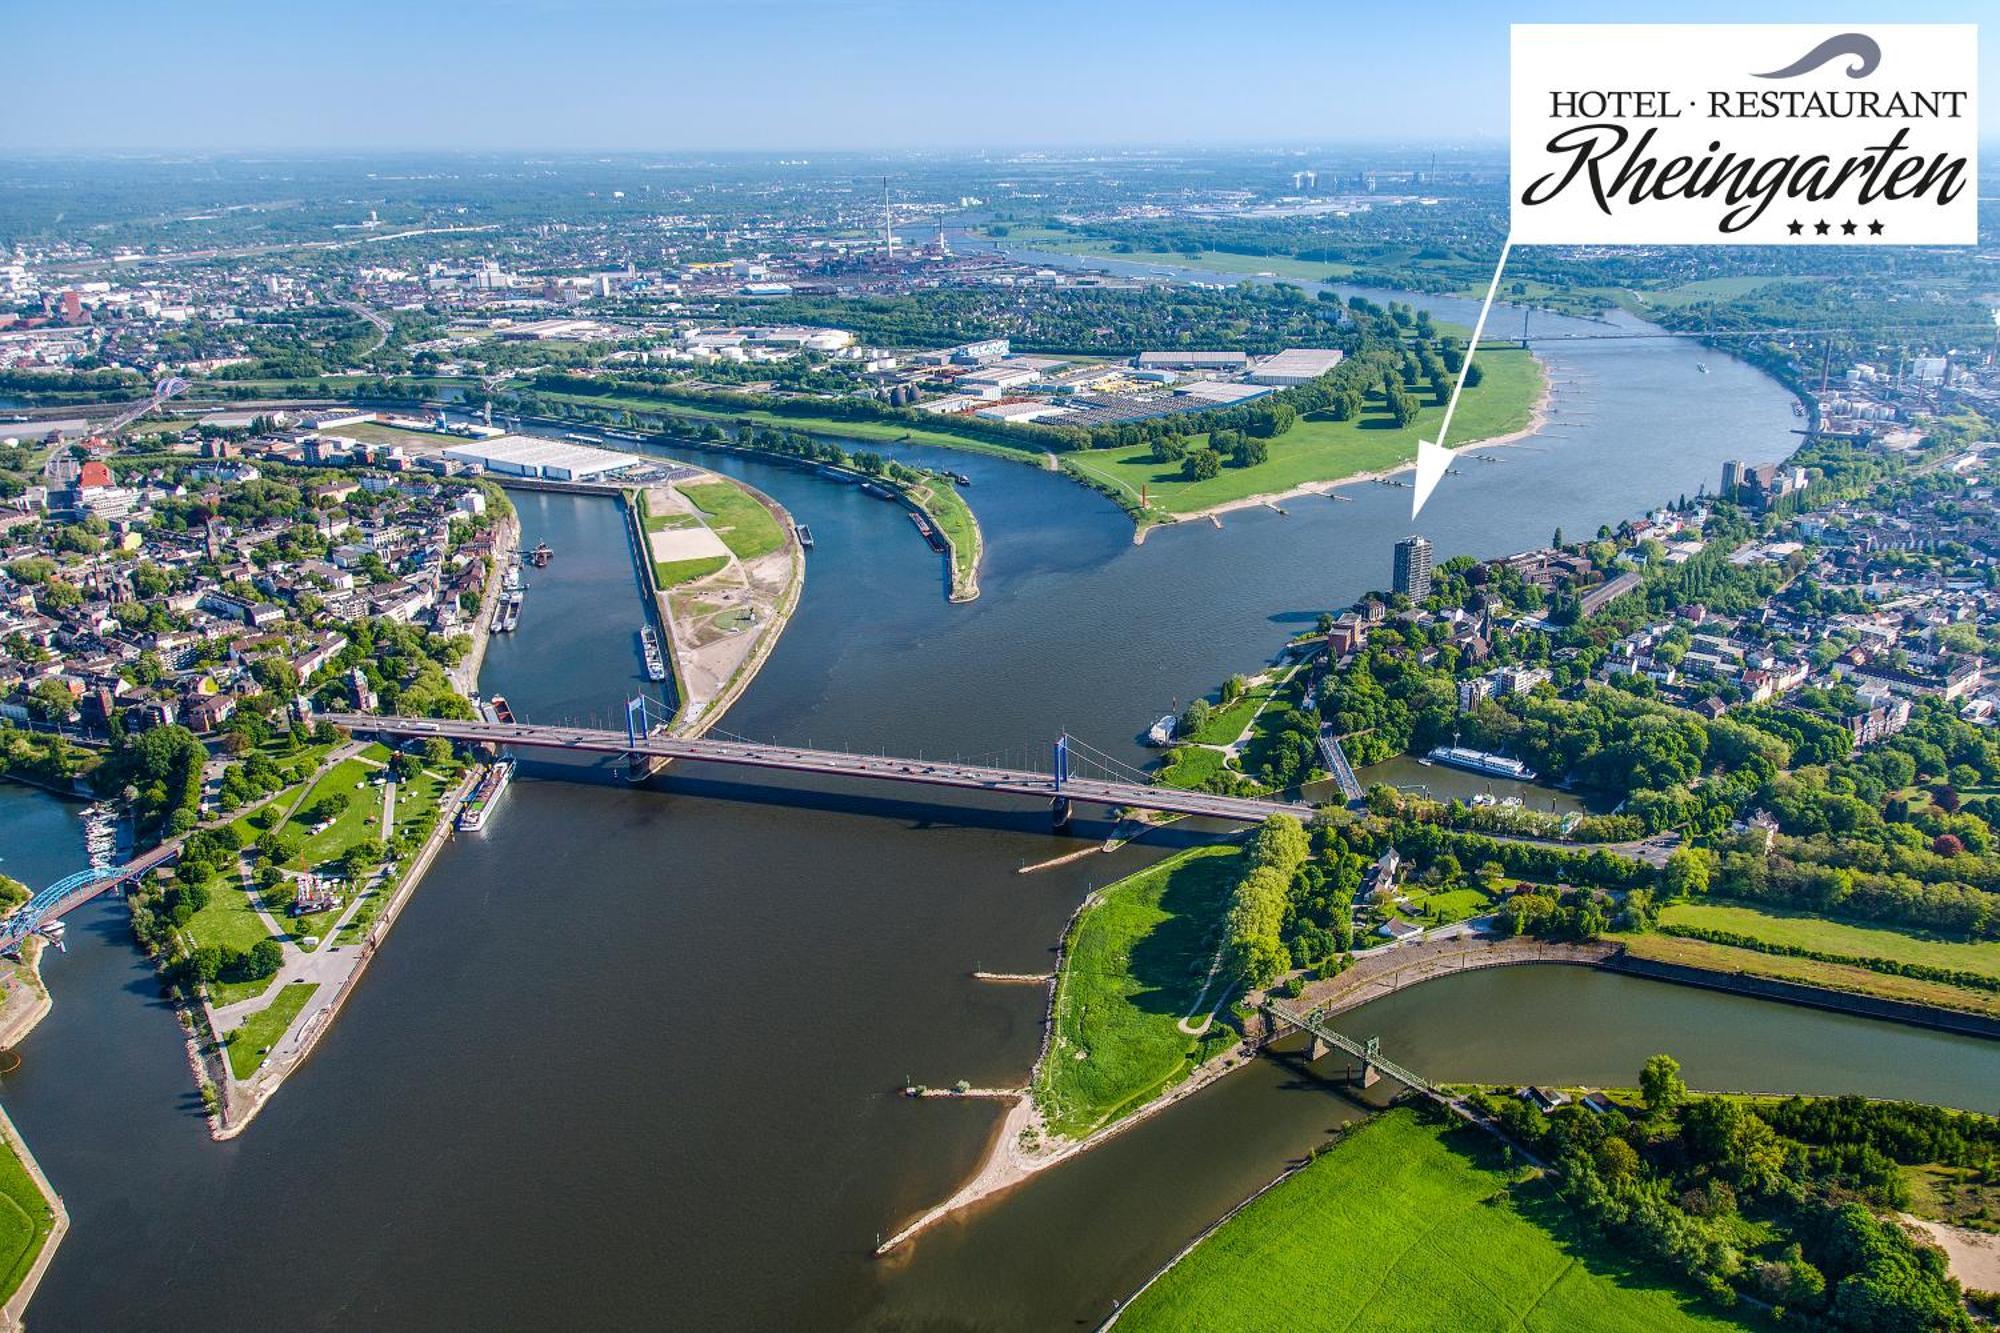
<point x="1752" y="134"/>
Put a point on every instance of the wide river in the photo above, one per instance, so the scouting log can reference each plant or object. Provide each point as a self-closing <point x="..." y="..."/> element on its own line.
<point x="628" y="1059"/>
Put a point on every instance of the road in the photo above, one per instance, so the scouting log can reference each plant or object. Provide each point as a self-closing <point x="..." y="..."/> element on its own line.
<point x="831" y="763"/>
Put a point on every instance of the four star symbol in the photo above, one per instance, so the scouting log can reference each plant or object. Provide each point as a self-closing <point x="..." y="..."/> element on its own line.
<point x="1823" y="227"/>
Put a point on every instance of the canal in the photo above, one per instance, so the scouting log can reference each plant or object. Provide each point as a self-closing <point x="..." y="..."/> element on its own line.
<point x="629" y="1057"/>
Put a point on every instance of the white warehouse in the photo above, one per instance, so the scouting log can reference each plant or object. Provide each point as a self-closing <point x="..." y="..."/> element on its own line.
<point x="1296" y="365"/>
<point x="528" y="456"/>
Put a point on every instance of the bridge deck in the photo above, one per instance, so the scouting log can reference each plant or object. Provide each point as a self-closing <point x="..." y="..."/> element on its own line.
<point x="831" y="763"/>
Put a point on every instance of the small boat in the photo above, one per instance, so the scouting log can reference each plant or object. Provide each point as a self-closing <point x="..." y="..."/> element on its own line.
<point x="541" y="555"/>
<point x="1162" y="732"/>
<point x="1702" y="366"/>
<point x="805" y="536"/>
<point x="961" y="478"/>
<point x="501" y="712"/>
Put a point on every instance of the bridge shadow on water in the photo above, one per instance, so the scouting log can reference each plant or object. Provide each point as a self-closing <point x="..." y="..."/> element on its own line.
<point x="1001" y="813"/>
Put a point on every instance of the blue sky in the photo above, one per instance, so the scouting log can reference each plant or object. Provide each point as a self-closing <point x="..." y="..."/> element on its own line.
<point x="804" y="74"/>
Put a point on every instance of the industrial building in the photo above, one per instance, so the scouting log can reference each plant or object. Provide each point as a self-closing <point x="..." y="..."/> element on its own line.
<point x="1296" y="365"/>
<point x="1193" y="360"/>
<point x="527" y="456"/>
<point x="1222" y="393"/>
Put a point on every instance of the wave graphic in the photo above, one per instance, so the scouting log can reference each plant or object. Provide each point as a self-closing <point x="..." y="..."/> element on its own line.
<point x="1859" y="45"/>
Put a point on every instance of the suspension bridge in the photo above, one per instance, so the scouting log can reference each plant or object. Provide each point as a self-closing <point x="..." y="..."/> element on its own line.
<point x="1078" y="773"/>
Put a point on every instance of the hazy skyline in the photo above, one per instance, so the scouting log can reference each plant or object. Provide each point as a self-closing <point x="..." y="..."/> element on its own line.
<point x="791" y="74"/>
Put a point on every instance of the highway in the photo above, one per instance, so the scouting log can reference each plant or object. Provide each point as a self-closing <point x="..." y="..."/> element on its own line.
<point x="831" y="763"/>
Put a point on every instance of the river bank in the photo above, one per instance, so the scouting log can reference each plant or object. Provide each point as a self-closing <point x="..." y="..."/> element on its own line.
<point x="465" y="676"/>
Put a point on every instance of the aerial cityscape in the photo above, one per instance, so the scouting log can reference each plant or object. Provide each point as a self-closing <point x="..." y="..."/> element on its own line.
<point x="854" y="689"/>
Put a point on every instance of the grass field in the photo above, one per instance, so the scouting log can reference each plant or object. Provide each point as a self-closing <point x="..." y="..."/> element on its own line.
<point x="1854" y="941"/>
<point x="1189" y="766"/>
<point x="376" y="433"/>
<point x="249" y="1043"/>
<point x="1228" y="720"/>
<point x="1441" y="909"/>
<point x="745" y="525"/>
<point x="954" y="518"/>
<point x="229" y="922"/>
<point x="25" y="1221"/>
<point x="361" y="819"/>
<point x="1407" y="1224"/>
<point x="1834" y="976"/>
<point x="673" y="573"/>
<point x="1133" y="966"/>
<point x="1319" y="448"/>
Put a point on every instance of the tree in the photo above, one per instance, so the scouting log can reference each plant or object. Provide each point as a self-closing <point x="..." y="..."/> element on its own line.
<point x="1686" y="874"/>
<point x="1169" y="448"/>
<point x="1661" y="1084"/>
<point x="1201" y="465"/>
<point x="1249" y="451"/>
<point x="437" y="751"/>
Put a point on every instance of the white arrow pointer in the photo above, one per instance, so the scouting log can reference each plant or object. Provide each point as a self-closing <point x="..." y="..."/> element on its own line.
<point x="1434" y="458"/>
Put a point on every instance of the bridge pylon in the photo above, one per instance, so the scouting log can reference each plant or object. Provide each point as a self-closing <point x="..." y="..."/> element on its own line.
<point x="639" y="724"/>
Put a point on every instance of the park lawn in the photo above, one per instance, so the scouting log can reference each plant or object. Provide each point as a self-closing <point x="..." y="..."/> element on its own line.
<point x="26" y="1219"/>
<point x="744" y="524"/>
<point x="1442" y="909"/>
<point x="250" y="1043"/>
<point x="260" y="819"/>
<point x="1799" y="930"/>
<point x="1134" y="964"/>
<point x="1228" y="720"/>
<point x="1833" y="976"/>
<point x="361" y="819"/>
<point x="1319" y="448"/>
<point x="417" y="800"/>
<point x="1406" y="1223"/>
<point x="1189" y="766"/>
<point x="228" y="921"/>
<point x="672" y="573"/>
